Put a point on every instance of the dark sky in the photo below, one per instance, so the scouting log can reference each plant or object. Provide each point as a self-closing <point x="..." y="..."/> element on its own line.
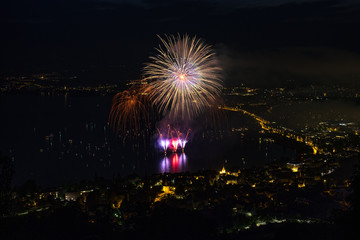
<point x="259" y="42"/>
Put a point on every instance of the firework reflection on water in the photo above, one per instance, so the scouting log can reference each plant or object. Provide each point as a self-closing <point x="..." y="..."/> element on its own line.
<point x="174" y="163"/>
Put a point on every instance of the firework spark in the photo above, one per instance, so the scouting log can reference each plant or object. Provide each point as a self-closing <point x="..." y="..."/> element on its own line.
<point x="183" y="76"/>
<point x="128" y="110"/>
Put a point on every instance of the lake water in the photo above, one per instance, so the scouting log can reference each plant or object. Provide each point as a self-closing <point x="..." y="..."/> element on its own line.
<point x="57" y="139"/>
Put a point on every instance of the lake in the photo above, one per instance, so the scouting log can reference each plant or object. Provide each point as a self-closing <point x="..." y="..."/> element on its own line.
<point x="54" y="139"/>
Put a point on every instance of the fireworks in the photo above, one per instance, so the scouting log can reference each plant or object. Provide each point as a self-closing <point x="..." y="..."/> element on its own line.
<point x="183" y="76"/>
<point x="174" y="139"/>
<point x="164" y="144"/>
<point x="182" y="143"/>
<point x="128" y="110"/>
<point x="182" y="80"/>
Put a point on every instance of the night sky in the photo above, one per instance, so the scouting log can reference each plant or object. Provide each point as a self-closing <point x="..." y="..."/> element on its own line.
<point x="259" y="42"/>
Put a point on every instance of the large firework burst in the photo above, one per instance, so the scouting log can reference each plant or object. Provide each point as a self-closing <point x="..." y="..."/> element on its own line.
<point x="183" y="76"/>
